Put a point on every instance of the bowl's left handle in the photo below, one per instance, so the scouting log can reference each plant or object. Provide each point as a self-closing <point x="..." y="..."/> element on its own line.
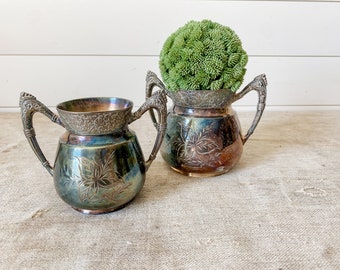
<point x="29" y="105"/>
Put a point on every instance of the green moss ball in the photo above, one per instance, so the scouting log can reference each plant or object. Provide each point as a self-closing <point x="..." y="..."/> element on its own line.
<point x="203" y="56"/>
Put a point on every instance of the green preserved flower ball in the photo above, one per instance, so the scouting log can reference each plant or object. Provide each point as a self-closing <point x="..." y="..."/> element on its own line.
<point x="203" y="56"/>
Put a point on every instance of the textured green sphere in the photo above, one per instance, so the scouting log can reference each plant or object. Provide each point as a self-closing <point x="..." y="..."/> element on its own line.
<point x="203" y="56"/>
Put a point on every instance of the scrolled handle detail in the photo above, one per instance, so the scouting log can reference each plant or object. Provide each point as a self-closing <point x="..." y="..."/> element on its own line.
<point x="158" y="102"/>
<point x="259" y="84"/>
<point x="29" y="105"/>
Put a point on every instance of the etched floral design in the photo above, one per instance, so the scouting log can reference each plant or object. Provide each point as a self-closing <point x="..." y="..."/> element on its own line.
<point x="99" y="176"/>
<point x="196" y="147"/>
<point x="94" y="123"/>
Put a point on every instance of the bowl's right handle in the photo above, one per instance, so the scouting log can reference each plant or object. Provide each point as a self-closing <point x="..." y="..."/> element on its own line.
<point x="259" y="84"/>
<point x="156" y="101"/>
<point x="151" y="81"/>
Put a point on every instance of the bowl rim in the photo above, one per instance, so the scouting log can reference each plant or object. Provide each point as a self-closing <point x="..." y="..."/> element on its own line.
<point x="63" y="106"/>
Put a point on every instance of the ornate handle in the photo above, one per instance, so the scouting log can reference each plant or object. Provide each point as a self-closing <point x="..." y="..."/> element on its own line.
<point x="259" y="84"/>
<point x="29" y="105"/>
<point x="155" y="101"/>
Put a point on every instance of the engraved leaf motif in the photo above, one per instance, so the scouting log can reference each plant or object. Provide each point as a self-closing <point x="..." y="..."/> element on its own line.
<point x="207" y="141"/>
<point x="206" y="145"/>
<point x="97" y="176"/>
<point x="114" y="193"/>
<point x="194" y="149"/>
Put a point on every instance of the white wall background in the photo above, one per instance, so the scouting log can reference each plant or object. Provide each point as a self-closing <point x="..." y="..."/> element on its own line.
<point x="59" y="50"/>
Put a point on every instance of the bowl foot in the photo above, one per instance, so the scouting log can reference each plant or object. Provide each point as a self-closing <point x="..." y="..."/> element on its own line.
<point x="100" y="211"/>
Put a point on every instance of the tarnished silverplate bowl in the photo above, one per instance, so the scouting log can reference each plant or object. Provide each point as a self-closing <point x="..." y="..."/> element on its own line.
<point x="99" y="166"/>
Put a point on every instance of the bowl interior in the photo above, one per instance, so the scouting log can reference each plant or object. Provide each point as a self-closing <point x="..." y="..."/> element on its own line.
<point x="96" y="104"/>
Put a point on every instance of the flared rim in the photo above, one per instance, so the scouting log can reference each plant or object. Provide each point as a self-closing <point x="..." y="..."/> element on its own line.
<point x="95" y="105"/>
<point x="202" y="99"/>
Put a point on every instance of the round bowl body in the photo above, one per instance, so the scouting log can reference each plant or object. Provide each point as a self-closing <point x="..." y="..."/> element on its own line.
<point x="203" y="135"/>
<point x="99" y="174"/>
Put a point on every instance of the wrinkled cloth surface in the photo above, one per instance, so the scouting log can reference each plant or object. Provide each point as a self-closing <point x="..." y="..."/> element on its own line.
<point x="277" y="209"/>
